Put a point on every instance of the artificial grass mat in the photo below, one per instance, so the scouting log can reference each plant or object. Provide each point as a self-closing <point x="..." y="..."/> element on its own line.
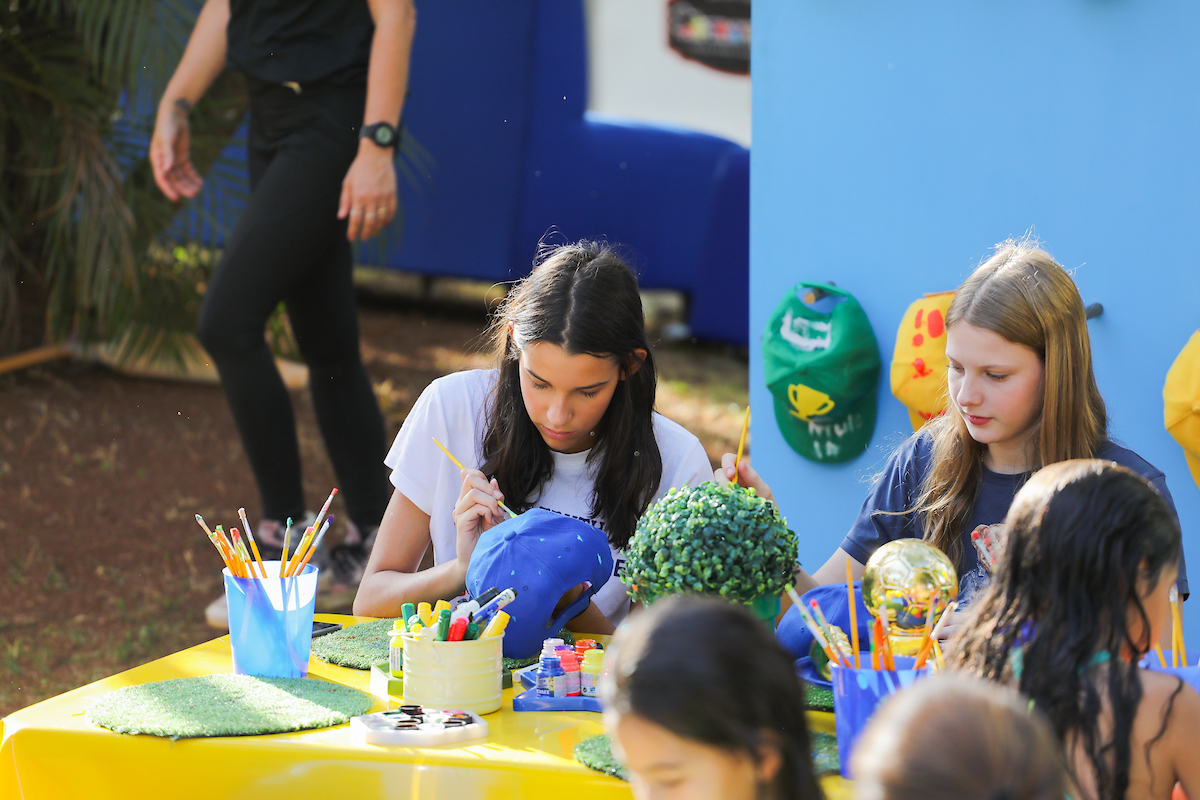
<point x="595" y="752"/>
<point x="227" y="705"/>
<point x="818" y="698"/>
<point x="358" y="646"/>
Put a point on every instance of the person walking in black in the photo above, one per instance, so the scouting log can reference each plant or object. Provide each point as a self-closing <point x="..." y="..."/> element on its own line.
<point x="326" y="80"/>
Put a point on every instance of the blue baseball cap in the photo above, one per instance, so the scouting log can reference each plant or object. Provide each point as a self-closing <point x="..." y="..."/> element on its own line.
<point x="541" y="555"/>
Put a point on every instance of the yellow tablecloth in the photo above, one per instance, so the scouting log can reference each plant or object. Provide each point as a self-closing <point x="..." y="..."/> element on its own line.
<point x="50" y="750"/>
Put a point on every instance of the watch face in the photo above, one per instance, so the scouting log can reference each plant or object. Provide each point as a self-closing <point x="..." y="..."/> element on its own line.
<point x="383" y="135"/>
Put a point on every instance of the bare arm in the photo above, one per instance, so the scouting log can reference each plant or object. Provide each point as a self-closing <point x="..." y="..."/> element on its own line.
<point x="591" y="620"/>
<point x="393" y="575"/>
<point x="369" y="191"/>
<point x="202" y="61"/>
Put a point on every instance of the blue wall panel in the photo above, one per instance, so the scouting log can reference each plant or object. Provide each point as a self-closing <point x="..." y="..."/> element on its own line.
<point x="895" y="142"/>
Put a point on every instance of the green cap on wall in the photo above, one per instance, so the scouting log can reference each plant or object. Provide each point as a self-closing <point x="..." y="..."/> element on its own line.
<point x="823" y="372"/>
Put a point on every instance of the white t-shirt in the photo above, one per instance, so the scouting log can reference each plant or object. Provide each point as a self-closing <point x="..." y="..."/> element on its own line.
<point x="453" y="409"/>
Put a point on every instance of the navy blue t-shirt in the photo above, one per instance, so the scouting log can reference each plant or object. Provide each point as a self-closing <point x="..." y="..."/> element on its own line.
<point x="899" y="487"/>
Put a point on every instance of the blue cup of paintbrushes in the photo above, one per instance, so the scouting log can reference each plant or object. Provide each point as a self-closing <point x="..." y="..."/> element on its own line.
<point x="1189" y="670"/>
<point x="856" y="695"/>
<point x="270" y="621"/>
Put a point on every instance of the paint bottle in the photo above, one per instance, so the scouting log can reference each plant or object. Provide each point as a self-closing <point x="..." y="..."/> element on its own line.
<point x="582" y="646"/>
<point x="396" y="649"/>
<point x="550" y="681"/>
<point x="589" y="672"/>
<point x="570" y="667"/>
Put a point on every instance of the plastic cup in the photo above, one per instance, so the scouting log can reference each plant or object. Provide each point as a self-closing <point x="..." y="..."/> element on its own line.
<point x="1189" y="674"/>
<point x="270" y="621"/>
<point x="856" y="695"/>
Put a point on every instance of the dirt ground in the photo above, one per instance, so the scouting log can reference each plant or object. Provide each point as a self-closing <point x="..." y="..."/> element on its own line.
<point x="103" y="566"/>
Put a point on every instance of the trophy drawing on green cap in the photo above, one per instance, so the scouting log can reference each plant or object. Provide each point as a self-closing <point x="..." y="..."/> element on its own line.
<point x="822" y="368"/>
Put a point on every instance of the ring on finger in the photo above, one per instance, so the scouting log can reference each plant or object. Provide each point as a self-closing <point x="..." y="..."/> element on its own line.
<point x="370" y="212"/>
<point x="382" y="210"/>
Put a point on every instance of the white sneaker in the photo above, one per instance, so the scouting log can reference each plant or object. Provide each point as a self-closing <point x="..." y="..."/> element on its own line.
<point x="217" y="614"/>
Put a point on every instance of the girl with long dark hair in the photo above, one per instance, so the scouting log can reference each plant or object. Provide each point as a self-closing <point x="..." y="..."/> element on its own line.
<point x="1080" y="594"/>
<point x="701" y="702"/>
<point x="565" y="422"/>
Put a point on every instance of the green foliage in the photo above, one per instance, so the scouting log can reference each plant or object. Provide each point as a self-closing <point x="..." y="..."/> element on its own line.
<point x="714" y="539"/>
<point x="78" y="208"/>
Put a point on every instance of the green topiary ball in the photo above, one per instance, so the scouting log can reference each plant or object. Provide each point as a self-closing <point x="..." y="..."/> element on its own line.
<point x="716" y="539"/>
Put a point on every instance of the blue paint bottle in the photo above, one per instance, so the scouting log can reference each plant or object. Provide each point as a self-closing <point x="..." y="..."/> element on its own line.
<point x="551" y="680"/>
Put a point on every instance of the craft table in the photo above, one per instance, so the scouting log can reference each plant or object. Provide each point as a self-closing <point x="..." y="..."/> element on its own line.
<point x="51" y="750"/>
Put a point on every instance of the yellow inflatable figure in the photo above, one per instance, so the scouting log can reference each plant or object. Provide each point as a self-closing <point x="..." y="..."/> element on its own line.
<point x="919" y="360"/>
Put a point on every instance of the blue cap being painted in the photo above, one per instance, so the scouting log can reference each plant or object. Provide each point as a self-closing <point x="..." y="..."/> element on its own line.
<point x="542" y="555"/>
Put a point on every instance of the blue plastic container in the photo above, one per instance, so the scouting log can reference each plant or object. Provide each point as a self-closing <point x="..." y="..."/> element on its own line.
<point x="270" y="622"/>
<point x="856" y="695"/>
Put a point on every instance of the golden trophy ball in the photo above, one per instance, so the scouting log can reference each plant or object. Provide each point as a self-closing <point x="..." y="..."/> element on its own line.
<point x="908" y="580"/>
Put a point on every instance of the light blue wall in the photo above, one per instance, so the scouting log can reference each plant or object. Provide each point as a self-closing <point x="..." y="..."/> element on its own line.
<point x="895" y="142"/>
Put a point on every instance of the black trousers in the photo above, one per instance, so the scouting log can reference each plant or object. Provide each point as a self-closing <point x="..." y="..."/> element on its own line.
<point x="289" y="246"/>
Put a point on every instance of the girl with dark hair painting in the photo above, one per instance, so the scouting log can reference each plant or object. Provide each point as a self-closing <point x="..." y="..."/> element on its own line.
<point x="701" y="702"/>
<point x="565" y="422"/>
<point x="1080" y="594"/>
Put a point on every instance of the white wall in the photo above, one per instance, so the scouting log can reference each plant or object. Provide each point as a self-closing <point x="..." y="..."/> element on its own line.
<point x="634" y="73"/>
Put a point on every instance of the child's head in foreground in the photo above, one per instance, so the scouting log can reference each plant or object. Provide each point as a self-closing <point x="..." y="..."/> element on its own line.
<point x="701" y="701"/>
<point x="1090" y="553"/>
<point x="954" y="737"/>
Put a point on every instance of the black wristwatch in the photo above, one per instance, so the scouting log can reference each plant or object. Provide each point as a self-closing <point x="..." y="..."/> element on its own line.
<point x="383" y="134"/>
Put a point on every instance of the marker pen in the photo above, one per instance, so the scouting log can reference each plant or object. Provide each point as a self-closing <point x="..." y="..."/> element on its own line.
<point x="496" y="626"/>
<point x="406" y="613"/>
<point x="485" y="613"/>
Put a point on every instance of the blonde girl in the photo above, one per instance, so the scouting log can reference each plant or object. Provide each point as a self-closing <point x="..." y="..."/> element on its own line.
<point x="1022" y="394"/>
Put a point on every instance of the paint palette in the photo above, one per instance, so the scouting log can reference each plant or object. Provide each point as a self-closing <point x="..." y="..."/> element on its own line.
<point x="414" y="726"/>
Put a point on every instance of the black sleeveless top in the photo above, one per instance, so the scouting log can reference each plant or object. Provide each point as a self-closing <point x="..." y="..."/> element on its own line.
<point x="306" y="41"/>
